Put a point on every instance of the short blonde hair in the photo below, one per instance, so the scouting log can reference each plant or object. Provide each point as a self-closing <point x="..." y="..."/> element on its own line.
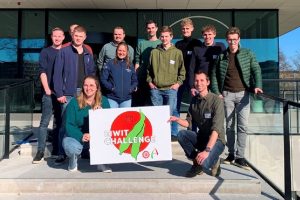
<point x="186" y="21"/>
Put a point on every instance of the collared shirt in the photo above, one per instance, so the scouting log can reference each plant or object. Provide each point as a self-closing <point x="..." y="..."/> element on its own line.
<point x="208" y="114"/>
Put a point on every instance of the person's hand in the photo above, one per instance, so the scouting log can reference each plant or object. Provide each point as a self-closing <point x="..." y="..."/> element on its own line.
<point x="86" y="137"/>
<point x="173" y="119"/>
<point x="258" y="91"/>
<point x="175" y="86"/>
<point x="136" y="66"/>
<point x="194" y="92"/>
<point x="62" y="99"/>
<point x="152" y="86"/>
<point x="221" y="96"/>
<point x="48" y="92"/>
<point x="97" y="107"/>
<point x="201" y="157"/>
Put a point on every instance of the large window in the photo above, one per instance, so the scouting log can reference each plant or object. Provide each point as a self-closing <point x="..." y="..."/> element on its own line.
<point x="259" y="33"/>
<point x="8" y="44"/>
<point x="31" y="43"/>
<point x="99" y="25"/>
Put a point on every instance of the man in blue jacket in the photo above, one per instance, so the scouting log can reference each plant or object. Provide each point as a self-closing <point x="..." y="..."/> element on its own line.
<point x="72" y="64"/>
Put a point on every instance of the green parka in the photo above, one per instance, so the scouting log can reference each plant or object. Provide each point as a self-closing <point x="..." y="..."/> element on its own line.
<point x="246" y="61"/>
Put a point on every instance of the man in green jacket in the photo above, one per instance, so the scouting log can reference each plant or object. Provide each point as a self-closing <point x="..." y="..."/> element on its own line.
<point x="165" y="72"/>
<point x="232" y="80"/>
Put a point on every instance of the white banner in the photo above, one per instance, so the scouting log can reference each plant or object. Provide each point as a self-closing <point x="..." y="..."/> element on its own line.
<point x="123" y="135"/>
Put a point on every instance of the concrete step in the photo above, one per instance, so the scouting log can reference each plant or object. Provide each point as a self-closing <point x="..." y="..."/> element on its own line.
<point x="19" y="176"/>
<point x="130" y="196"/>
<point x="137" y="185"/>
<point x="30" y="149"/>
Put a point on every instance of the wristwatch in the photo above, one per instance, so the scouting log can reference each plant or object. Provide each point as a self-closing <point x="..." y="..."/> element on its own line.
<point x="207" y="149"/>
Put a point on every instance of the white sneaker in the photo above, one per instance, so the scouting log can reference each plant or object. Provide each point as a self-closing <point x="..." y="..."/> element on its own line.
<point x="104" y="168"/>
<point x="73" y="170"/>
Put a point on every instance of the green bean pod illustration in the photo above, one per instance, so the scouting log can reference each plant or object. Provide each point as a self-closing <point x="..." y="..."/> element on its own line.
<point x="137" y="129"/>
<point x="135" y="148"/>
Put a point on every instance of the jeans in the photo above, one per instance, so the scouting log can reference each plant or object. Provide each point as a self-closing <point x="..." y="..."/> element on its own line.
<point x="49" y="105"/>
<point x="190" y="144"/>
<point x="62" y="130"/>
<point x="237" y="106"/>
<point x="73" y="149"/>
<point x="176" y="113"/>
<point x="114" y="104"/>
<point x="165" y="97"/>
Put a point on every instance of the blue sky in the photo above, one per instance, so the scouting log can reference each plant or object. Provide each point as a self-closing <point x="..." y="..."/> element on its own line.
<point x="289" y="43"/>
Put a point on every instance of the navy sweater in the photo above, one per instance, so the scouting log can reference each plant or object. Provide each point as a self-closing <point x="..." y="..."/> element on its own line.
<point x="46" y="63"/>
<point x="203" y="58"/>
<point x="187" y="46"/>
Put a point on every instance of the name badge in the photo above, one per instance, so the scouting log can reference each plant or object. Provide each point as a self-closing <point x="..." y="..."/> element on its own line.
<point x="189" y="52"/>
<point x="207" y="115"/>
<point x="215" y="57"/>
<point x="172" y="62"/>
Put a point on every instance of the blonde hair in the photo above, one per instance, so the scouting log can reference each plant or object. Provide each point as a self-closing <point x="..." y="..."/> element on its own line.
<point x="81" y="98"/>
<point x="186" y="21"/>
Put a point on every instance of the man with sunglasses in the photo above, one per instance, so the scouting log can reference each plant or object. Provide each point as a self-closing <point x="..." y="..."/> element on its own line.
<point x="235" y="74"/>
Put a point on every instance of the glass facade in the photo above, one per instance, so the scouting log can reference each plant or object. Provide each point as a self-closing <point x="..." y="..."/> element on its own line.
<point x="8" y="44"/>
<point x="25" y="32"/>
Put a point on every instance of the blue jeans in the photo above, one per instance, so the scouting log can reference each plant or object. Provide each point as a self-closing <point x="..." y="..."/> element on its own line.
<point x="49" y="105"/>
<point x="115" y="104"/>
<point x="165" y="97"/>
<point x="73" y="149"/>
<point x="237" y="106"/>
<point x="189" y="141"/>
<point x="174" y="125"/>
<point x="62" y="130"/>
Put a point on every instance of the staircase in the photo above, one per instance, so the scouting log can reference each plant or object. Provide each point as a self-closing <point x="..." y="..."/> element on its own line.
<point x="19" y="179"/>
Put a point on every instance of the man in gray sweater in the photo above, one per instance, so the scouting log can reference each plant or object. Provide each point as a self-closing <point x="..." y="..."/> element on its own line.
<point x="108" y="51"/>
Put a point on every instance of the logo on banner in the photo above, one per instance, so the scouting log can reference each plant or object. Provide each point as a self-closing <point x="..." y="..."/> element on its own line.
<point x="130" y="133"/>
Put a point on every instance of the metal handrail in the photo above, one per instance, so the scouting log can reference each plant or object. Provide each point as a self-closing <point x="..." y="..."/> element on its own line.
<point x="286" y="140"/>
<point x="7" y="93"/>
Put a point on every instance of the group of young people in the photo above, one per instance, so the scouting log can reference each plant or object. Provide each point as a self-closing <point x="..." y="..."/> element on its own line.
<point x="218" y="79"/>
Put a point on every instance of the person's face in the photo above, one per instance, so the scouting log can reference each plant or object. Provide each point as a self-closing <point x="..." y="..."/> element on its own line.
<point x="166" y="38"/>
<point x="122" y="52"/>
<point x="151" y="29"/>
<point x="209" y="37"/>
<point x="187" y="30"/>
<point x="233" y="41"/>
<point x="201" y="83"/>
<point x="78" y="38"/>
<point x="89" y="88"/>
<point x="57" y="37"/>
<point x="119" y="35"/>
